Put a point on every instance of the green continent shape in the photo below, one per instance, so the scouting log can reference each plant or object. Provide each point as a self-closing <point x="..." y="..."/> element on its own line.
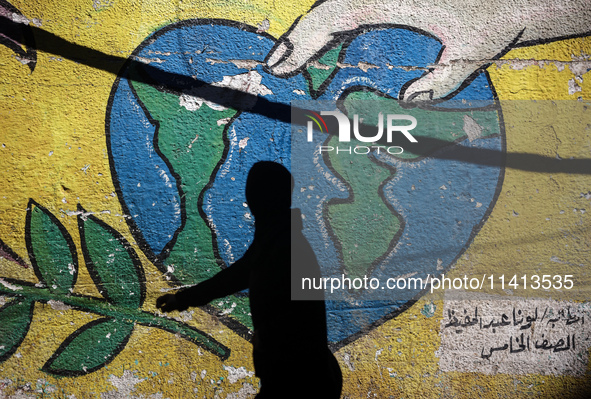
<point x="364" y="226"/>
<point x="193" y="143"/>
<point x="363" y="222"/>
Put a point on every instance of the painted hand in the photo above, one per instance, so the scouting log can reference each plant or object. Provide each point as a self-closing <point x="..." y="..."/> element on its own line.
<point x="472" y="35"/>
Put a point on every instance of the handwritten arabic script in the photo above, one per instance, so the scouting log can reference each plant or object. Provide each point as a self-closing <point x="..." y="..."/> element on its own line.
<point x="515" y="336"/>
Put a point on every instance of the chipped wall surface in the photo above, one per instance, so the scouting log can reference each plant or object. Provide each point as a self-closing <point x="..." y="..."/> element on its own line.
<point x="128" y="129"/>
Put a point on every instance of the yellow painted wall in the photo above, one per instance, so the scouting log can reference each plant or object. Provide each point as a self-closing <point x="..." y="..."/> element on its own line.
<point x="53" y="150"/>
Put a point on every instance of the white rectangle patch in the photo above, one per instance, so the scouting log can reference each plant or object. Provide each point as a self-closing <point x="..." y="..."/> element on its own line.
<point x="515" y="336"/>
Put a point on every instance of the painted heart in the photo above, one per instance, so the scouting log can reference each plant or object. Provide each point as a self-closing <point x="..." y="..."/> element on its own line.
<point x="181" y="144"/>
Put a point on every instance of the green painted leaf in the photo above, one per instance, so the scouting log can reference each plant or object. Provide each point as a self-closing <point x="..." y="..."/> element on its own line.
<point x="51" y="250"/>
<point x="112" y="263"/>
<point x="15" y="318"/>
<point x="89" y="348"/>
<point x="193" y="335"/>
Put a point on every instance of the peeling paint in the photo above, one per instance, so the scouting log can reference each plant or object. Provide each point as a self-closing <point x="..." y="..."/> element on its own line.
<point x="99" y="5"/>
<point x="429" y="310"/>
<point x="263" y="26"/>
<point x="472" y="129"/>
<point x="347" y="360"/>
<point x="124" y="385"/>
<point x="249" y="83"/>
<point x="11" y="287"/>
<point x="573" y="86"/>
<point x="57" y="305"/>
<point x="235" y="374"/>
<point x="243" y="143"/>
<point x="245" y="392"/>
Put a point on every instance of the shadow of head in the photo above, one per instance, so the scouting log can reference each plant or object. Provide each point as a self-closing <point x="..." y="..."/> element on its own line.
<point x="269" y="186"/>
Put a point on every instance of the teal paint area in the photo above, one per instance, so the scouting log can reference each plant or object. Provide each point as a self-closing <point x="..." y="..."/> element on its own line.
<point x="429" y="309"/>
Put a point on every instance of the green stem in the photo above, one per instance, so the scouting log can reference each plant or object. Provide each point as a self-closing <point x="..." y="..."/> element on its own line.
<point x="101" y="307"/>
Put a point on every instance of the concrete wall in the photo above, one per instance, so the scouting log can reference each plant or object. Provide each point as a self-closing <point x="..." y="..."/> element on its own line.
<point x="123" y="179"/>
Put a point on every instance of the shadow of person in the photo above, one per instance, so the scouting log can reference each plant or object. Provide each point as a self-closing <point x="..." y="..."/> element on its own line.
<point x="290" y="351"/>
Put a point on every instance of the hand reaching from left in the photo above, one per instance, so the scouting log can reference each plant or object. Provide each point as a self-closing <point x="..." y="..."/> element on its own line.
<point x="169" y="302"/>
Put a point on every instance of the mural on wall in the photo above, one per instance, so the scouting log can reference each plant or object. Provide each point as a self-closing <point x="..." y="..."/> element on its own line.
<point x="184" y="179"/>
<point x="200" y="100"/>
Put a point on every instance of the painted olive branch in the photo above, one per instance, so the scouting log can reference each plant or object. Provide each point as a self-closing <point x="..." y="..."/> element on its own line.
<point x="29" y="293"/>
<point x="116" y="271"/>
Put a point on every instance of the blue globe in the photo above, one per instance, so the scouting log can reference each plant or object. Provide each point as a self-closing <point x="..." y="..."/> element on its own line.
<point x="179" y="159"/>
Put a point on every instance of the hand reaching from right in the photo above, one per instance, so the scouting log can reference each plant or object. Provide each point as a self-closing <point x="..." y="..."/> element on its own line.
<point x="472" y="34"/>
